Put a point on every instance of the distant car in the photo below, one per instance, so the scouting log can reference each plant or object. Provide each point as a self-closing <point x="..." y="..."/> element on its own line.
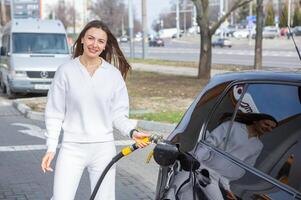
<point x="296" y="30"/>
<point x="175" y="35"/>
<point x="230" y="30"/>
<point x="156" y="42"/>
<point x="242" y="33"/>
<point x="124" y="39"/>
<point x="222" y="42"/>
<point x="270" y="32"/>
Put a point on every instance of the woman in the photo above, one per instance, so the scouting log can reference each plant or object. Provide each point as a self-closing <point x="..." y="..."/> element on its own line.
<point x="88" y="97"/>
<point x="242" y="142"/>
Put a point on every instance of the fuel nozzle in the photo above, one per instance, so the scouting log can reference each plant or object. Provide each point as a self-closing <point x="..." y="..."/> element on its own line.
<point x="154" y="138"/>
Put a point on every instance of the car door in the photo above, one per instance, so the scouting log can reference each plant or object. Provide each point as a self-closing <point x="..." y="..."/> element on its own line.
<point x="244" y="166"/>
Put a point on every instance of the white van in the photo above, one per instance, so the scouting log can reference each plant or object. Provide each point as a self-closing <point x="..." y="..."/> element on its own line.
<point x="31" y="51"/>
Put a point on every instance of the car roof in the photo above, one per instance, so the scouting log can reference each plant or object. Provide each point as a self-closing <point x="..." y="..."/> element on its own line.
<point x="285" y="76"/>
<point x="35" y="26"/>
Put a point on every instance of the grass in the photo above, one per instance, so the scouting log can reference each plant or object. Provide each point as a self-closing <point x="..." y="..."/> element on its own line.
<point x="170" y="117"/>
<point x="153" y="96"/>
<point x="159" y="97"/>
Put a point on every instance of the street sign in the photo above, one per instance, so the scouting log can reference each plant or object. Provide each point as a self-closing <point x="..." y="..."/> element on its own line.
<point x="251" y="18"/>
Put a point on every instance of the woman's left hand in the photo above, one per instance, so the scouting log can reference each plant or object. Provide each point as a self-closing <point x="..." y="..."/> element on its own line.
<point x="139" y="139"/>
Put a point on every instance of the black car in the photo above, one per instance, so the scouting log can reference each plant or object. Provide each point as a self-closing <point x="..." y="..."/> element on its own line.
<point x="264" y="166"/>
<point x="156" y="42"/>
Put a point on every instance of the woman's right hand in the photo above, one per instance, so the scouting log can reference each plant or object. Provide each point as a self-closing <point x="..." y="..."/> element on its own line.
<point x="46" y="161"/>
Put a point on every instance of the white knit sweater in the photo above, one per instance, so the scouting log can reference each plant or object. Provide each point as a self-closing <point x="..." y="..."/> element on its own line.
<point x="86" y="108"/>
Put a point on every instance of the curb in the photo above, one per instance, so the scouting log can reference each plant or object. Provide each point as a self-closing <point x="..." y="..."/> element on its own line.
<point x="164" y="128"/>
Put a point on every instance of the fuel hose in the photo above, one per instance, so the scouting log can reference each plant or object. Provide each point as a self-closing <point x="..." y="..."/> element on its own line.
<point x="124" y="152"/>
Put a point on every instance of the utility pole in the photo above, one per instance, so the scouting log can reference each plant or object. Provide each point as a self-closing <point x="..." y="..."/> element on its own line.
<point x="184" y="13"/>
<point x="221" y="13"/>
<point x="178" y="18"/>
<point x="289" y="14"/>
<point x="250" y="28"/>
<point x="144" y="32"/>
<point x="195" y="24"/>
<point x="131" y="27"/>
<point x="74" y="21"/>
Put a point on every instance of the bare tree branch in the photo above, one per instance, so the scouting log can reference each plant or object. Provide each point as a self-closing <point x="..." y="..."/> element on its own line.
<point x="236" y="5"/>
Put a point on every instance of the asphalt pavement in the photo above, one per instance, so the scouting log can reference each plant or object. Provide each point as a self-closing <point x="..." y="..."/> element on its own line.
<point x="277" y="53"/>
<point x="22" y="145"/>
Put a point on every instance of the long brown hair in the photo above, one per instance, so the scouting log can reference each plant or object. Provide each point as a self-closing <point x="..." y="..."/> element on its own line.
<point x="111" y="53"/>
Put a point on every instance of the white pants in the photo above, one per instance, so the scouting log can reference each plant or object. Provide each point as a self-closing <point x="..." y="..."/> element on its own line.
<point x="73" y="158"/>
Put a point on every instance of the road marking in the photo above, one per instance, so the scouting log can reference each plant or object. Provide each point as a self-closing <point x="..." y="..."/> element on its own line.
<point x="31" y="130"/>
<point x="36" y="131"/>
<point x="4" y="102"/>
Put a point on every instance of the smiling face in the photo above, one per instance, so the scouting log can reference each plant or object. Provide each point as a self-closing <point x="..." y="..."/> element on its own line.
<point x="94" y="42"/>
<point x="264" y="126"/>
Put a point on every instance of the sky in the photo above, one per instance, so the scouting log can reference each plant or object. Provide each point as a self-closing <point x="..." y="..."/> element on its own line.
<point x="153" y="9"/>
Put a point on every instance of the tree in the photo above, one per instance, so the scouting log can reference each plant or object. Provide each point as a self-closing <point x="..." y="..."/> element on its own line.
<point x="258" y="39"/>
<point x="297" y="16"/>
<point x="65" y="13"/>
<point x="113" y="13"/>
<point x="244" y="11"/>
<point x="283" y="16"/>
<point x="169" y="17"/>
<point x="269" y="20"/>
<point x="206" y="32"/>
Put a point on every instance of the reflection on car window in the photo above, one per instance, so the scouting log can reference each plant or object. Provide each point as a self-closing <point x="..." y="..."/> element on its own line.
<point x="263" y="131"/>
<point x="280" y="101"/>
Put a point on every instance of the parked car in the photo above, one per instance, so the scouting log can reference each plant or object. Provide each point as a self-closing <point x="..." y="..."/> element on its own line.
<point x="270" y="32"/>
<point x="31" y="52"/>
<point x="266" y="165"/>
<point x="156" y="42"/>
<point x="242" y="33"/>
<point x="296" y="30"/>
<point x="222" y="42"/>
<point x="124" y="39"/>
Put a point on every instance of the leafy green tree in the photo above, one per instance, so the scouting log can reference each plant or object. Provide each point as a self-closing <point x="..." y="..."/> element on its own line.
<point x="297" y="16"/>
<point x="283" y="16"/>
<point x="269" y="20"/>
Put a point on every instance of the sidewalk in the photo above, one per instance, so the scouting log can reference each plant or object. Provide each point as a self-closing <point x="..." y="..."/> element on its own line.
<point x="170" y="70"/>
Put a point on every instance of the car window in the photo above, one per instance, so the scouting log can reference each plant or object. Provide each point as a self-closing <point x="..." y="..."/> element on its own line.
<point x="187" y="133"/>
<point x="228" y="182"/>
<point x="40" y="43"/>
<point x="259" y="125"/>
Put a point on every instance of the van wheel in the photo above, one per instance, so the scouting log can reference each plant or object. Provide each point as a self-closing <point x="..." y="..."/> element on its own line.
<point x="9" y="93"/>
<point x="3" y="87"/>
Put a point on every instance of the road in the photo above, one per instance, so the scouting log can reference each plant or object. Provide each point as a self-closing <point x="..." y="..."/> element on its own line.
<point x="22" y="146"/>
<point x="279" y="53"/>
